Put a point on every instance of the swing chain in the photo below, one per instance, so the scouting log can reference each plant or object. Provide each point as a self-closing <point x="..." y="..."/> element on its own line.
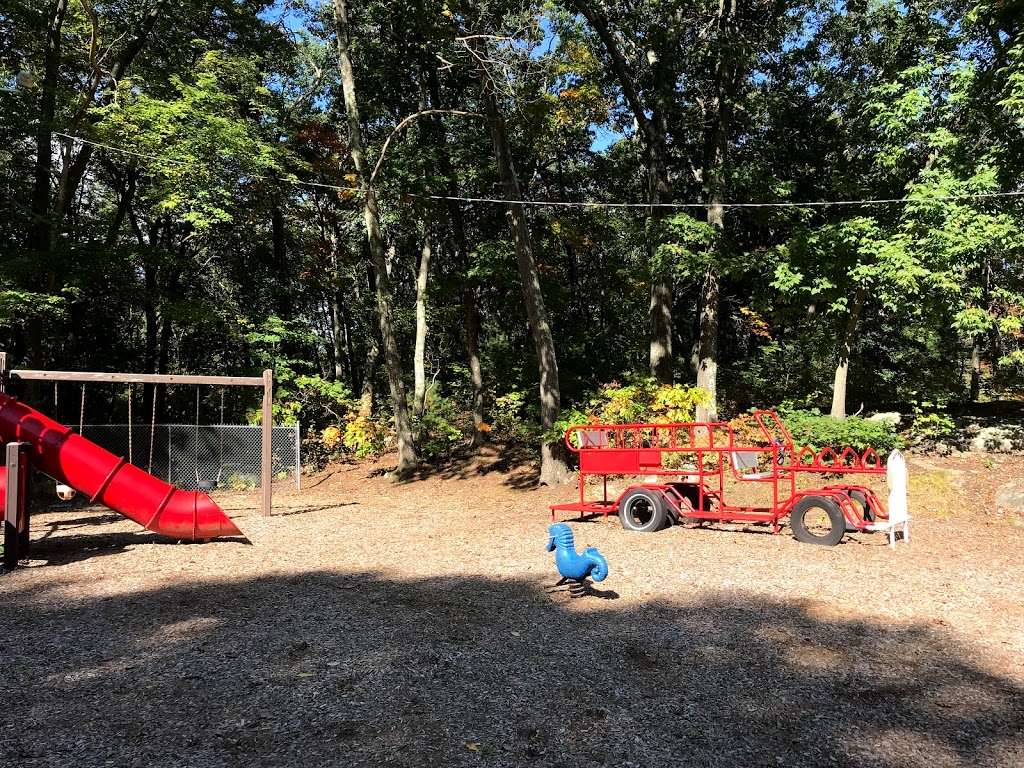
<point x="152" y="432"/>
<point x="131" y="453"/>
<point x="197" y="436"/>
<point x="81" y="413"/>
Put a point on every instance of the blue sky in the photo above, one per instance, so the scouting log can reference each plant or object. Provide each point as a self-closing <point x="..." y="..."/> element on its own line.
<point x="603" y="137"/>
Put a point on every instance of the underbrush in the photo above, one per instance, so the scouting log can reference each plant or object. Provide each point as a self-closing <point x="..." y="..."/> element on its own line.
<point x="812" y="428"/>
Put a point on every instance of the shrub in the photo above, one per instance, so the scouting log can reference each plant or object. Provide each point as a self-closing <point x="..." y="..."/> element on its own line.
<point x="363" y="437"/>
<point x="441" y="427"/>
<point x="817" y="431"/>
<point x="929" y="429"/>
<point x="509" y="420"/>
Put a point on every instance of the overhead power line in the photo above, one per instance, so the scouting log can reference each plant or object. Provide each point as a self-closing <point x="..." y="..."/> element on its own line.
<point x="582" y="203"/>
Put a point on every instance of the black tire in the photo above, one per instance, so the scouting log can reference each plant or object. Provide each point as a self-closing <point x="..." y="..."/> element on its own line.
<point x="862" y="498"/>
<point x="808" y="535"/>
<point x="691" y="493"/>
<point x="642" y="510"/>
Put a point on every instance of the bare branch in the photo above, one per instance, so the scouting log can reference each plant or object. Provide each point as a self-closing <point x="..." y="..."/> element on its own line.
<point x="404" y="123"/>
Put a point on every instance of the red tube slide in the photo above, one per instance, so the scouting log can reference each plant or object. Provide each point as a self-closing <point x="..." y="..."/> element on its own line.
<point x="70" y="458"/>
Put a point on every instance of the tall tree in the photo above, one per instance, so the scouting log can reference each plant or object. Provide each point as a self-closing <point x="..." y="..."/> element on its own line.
<point x="553" y="469"/>
<point x="371" y="218"/>
<point x="651" y="117"/>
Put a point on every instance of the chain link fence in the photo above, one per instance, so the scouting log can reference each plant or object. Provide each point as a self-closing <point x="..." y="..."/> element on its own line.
<point x="215" y="456"/>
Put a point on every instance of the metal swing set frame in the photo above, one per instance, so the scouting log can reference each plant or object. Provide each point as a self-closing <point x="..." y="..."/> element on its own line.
<point x="701" y="456"/>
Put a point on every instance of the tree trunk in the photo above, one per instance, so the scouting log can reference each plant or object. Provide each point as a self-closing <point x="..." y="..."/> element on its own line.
<point x="476" y="375"/>
<point x="553" y="469"/>
<point x="718" y="114"/>
<point x="339" y="331"/>
<point x="419" y="397"/>
<point x="152" y="332"/>
<point x="707" y="345"/>
<point x="975" y="392"/>
<point x="845" y="349"/>
<point x="40" y="235"/>
<point x="74" y="171"/>
<point x="124" y="202"/>
<point x="369" y="372"/>
<point x="371" y="218"/>
<point x="337" y="334"/>
<point x="654" y="130"/>
<point x="460" y="246"/>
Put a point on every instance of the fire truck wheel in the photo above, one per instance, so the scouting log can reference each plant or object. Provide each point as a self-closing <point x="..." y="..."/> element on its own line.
<point x="642" y="510"/>
<point x="817" y="520"/>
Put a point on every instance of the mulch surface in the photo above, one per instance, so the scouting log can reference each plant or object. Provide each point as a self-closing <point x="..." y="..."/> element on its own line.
<point x="369" y="623"/>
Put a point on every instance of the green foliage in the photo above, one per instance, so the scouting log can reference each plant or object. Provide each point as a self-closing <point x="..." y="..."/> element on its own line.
<point x="811" y="428"/>
<point x="443" y="426"/>
<point x="928" y="429"/>
<point x="207" y="155"/>
<point x="510" y="420"/>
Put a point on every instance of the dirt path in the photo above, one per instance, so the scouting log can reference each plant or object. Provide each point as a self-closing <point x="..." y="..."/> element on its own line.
<point x="374" y="624"/>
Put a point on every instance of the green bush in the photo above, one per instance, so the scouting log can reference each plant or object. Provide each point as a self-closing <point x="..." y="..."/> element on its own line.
<point x="817" y="431"/>
<point x="929" y="429"/>
<point x="442" y="426"/>
<point x="510" y="420"/>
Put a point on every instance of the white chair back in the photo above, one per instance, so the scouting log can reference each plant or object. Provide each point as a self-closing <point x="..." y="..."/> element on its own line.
<point x="896" y="479"/>
<point x="745" y="460"/>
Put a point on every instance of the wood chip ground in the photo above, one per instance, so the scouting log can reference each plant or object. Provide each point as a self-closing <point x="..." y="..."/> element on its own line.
<point x="375" y="624"/>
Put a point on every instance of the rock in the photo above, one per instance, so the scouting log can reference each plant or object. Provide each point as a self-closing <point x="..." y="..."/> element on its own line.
<point x="1010" y="497"/>
<point x="992" y="440"/>
<point x="942" y="449"/>
<point x="973" y="428"/>
<point x="892" y="418"/>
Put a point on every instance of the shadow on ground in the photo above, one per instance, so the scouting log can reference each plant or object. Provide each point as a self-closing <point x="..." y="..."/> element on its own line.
<point x="360" y="669"/>
<point x="519" y="462"/>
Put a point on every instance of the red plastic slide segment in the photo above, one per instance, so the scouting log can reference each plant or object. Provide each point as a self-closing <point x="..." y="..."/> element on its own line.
<point x="112" y="481"/>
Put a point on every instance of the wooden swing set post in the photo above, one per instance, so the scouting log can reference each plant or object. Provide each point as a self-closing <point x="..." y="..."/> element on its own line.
<point x="266" y="381"/>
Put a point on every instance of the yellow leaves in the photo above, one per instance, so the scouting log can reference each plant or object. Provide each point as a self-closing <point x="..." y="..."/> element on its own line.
<point x="351" y="178"/>
<point x="580" y="105"/>
<point x="330" y="437"/>
<point x="754" y="324"/>
<point x="483" y="426"/>
<point x="473" y="746"/>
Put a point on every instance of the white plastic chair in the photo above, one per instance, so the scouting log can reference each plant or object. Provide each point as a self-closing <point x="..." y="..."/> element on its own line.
<point x="743" y="460"/>
<point x="899" y="514"/>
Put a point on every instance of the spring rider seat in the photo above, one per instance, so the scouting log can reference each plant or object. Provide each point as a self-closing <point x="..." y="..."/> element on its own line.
<point x="572" y="566"/>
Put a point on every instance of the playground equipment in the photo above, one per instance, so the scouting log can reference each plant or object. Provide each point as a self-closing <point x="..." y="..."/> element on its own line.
<point x="571" y="565"/>
<point x="77" y="464"/>
<point x="74" y="461"/>
<point x="690" y="466"/>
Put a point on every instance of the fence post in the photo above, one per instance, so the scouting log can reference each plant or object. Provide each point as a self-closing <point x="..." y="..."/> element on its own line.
<point x="298" y="457"/>
<point x="266" y="473"/>
<point x="16" y="512"/>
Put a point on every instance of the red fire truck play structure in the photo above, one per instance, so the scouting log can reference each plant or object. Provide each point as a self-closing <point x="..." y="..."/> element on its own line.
<point x="693" y="469"/>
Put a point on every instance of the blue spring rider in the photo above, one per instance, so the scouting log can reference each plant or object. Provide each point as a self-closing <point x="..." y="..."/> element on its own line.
<point x="571" y="565"/>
